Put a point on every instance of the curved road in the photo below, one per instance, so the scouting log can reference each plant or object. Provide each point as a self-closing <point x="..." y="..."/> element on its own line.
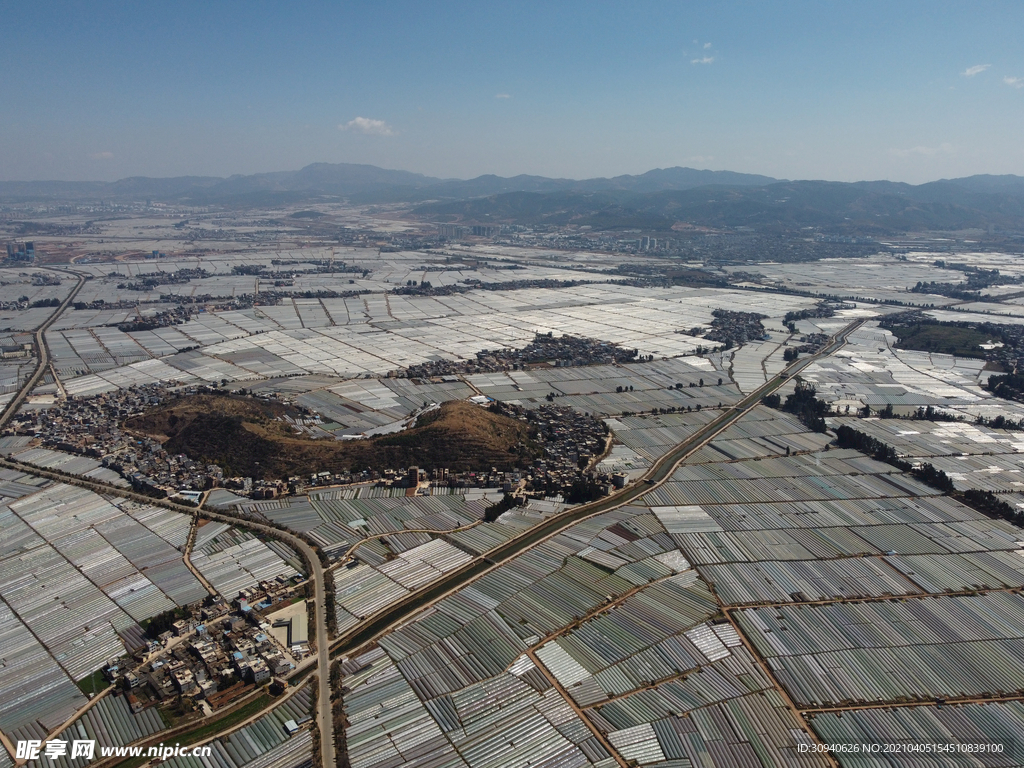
<point x="377" y="624"/>
<point x="42" y="351"/>
<point x="313" y="561"/>
<point x="316" y="572"/>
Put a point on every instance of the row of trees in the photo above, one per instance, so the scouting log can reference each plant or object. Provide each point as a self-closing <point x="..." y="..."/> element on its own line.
<point x="811" y="411"/>
<point x="848" y="437"/>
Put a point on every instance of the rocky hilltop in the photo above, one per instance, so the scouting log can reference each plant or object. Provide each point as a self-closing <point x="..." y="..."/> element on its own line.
<point x="249" y="437"/>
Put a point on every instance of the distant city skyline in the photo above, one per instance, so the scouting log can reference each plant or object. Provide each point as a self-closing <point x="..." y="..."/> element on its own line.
<point x="911" y="91"/>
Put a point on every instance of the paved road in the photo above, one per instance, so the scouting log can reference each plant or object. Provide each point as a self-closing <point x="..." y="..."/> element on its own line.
<point x="312" y="560"/>
<point x="377" y="624"/>
<point x="383" y="621"/>
<point x="316" y="572"/>
<point x="42" y="351"/>
<point x="323" y="648"/>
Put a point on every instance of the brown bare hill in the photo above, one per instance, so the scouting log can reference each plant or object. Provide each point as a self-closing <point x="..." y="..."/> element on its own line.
<point x="246" y="437"/>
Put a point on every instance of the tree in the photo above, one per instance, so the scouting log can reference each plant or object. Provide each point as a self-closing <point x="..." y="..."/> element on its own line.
<point x="805" y="405"/>
<point x="163" y="622"/>
<point x="494" y="511"/>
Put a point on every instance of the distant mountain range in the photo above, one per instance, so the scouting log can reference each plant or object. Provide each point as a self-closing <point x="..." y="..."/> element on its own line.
<point x="366" y="182"/>
<point x="654" y="200"/>
<point x="866" y="208"/>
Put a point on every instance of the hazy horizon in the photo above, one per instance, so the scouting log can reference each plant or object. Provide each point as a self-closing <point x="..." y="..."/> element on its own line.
<point x="467" y="178"/>
<point x="911" y="92"/>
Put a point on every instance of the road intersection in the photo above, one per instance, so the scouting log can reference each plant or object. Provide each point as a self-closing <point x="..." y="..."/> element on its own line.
<point x="374" y="626"/>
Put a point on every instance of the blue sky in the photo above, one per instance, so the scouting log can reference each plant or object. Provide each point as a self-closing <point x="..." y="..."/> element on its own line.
<point x="909" y="91"/>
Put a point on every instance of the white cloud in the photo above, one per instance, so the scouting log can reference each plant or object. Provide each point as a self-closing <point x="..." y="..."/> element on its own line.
<point x="102" y="156"/>
<point x="706" y="46"/>
<point x="368" y="125"/>
<point x="977" y="69"/>
<point x="502" y="96"/>
<point x="1014" y="82"/>
<point x="943" y="149"/>
<point x="705" y="60"/>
